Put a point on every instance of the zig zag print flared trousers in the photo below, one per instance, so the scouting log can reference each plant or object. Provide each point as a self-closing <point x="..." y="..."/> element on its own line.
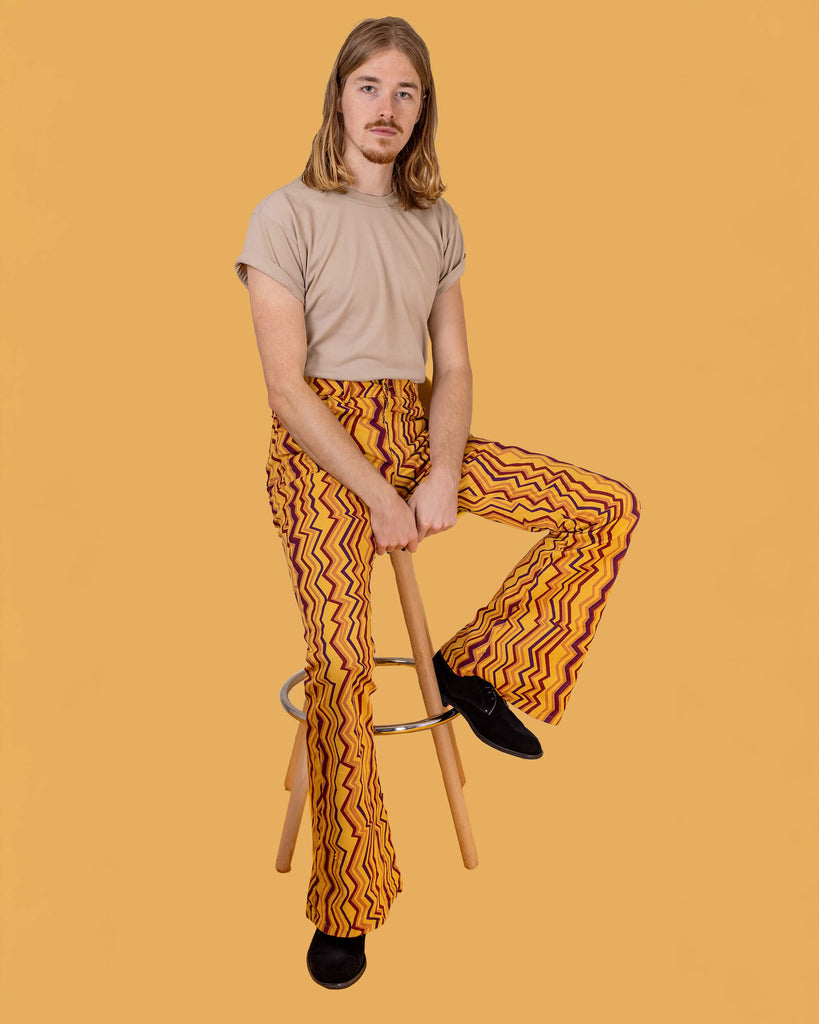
<point x="528" y="641"/>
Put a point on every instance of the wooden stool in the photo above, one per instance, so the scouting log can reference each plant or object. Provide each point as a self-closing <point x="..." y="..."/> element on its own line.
<point x="445" y="746"/>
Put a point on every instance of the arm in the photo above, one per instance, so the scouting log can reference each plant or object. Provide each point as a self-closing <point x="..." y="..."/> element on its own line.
<point x="278" y="320"/>
<point x="450" y="409"/>
<point x="435" y="500"/>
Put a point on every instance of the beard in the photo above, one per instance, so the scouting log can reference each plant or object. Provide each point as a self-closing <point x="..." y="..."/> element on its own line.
<point x="377" y="154"/>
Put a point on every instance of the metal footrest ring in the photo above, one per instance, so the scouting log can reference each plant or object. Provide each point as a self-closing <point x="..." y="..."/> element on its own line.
<point x="398" y="727"/>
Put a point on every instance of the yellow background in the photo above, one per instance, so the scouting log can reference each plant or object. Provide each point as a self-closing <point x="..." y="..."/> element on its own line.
<point x="637" y="187"/>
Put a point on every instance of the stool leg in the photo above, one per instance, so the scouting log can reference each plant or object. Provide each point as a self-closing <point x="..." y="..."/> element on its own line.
<point x="443" y="738"/>
<point x="295" y="805"/>
<point x="294" y="753"/>
<point x="447" y="725"/>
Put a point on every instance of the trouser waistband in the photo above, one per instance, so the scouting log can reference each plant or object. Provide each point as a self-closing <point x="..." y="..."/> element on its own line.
<point x="397" y="386"/>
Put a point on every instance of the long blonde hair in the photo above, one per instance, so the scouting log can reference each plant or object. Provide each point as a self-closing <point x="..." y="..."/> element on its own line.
<point x="416" y="177"/>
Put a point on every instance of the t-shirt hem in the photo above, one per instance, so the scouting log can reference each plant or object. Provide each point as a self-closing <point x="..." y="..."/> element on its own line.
<point x="330" y="374"/>
<point x="450" y="278"/>
<point x="274" y="272"/>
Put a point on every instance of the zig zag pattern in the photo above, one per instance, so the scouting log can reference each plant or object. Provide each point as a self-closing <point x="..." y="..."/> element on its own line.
<point x="528" y="641"/>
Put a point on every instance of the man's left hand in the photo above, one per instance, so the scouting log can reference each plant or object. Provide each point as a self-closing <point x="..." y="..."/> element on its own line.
<point x="435" y="503"/>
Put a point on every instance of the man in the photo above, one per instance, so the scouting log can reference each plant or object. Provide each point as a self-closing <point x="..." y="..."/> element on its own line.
<point x="348" y="268"/>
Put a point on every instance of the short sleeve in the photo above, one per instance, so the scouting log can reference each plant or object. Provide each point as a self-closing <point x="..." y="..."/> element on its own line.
<point x="454" y="256"/>
<point x="271" y="245"/>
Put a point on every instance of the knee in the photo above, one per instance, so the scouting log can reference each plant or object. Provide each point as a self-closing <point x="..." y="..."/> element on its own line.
<point x="629" y="508"/>
<point x="625" y="505"/>
<point x="634" y="502"/>
<point x="335" y="675"/>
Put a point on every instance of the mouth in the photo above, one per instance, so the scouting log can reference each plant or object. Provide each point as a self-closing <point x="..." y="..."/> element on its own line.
<point x="382" y="131"/>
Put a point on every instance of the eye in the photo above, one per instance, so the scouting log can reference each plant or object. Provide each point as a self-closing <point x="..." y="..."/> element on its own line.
<point x="402" y="93"/>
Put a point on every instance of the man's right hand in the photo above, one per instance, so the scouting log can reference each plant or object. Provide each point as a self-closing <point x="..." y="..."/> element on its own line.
<point x="393" y="524"/>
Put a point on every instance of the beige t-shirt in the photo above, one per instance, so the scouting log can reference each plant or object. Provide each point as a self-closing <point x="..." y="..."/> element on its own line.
<point x="366" y="271"/>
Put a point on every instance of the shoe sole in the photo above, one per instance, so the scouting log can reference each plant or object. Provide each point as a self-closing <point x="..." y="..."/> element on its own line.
<point x="338" y="984"/>
<point x="505" y="750"/>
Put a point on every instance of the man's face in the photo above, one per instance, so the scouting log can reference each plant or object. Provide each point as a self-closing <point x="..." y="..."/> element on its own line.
<point x="385" y="92"/>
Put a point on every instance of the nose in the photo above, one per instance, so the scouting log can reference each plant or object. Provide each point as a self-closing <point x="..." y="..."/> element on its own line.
<point x="386" y="109"/>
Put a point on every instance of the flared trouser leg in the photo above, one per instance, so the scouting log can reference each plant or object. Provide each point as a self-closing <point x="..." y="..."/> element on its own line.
<point x="328" y="541"/>
<point x="530" y="639"/>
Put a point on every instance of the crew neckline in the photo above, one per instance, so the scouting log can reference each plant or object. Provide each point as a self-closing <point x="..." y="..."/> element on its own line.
<point x="365" y="197"/>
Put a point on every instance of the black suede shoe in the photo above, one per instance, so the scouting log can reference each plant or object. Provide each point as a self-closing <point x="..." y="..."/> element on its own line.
<point x="485" y="711"/>
<point x="335" y="961"/>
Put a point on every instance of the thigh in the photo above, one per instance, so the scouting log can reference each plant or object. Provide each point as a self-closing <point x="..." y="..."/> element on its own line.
<point x="535" y="491"/>
<point x="329" y="546"/>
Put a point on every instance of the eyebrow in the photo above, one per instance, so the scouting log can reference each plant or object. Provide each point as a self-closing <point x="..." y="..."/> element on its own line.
<point x="401" y="85"/>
